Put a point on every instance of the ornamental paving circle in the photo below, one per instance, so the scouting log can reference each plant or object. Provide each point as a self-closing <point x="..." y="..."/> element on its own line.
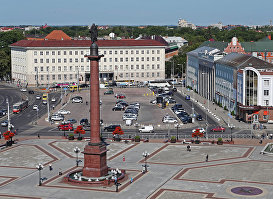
<point x="247" y="191"/>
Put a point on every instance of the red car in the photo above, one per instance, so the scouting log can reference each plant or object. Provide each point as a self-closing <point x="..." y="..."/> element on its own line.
<point x="121" y="96"/>
<point x="66" y="127"/>
<point x="218" y="129"/>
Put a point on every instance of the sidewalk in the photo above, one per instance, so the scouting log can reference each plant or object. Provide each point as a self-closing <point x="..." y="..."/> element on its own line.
<point x="217" y="112"/>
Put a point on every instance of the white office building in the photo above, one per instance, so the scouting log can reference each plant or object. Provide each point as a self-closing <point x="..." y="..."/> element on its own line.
<point x="42" y="62"/>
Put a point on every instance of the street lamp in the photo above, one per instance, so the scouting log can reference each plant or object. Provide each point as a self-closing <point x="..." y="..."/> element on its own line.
<point x="7" y="101"/>
<point x="145" y="166"/>
<point x="116" y="173"/>
<point x="40" y="168"/>
<point x="77" y="151"/>
<point x="177" y="127"/>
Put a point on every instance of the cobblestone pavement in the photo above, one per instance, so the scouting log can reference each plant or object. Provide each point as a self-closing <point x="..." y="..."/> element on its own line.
<point x="173" y="172"/>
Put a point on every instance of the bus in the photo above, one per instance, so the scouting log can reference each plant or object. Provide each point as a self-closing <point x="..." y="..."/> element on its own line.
<point x="44" y="98"/>
<point x="74" y="88"/>
<point x="19" y="106"/>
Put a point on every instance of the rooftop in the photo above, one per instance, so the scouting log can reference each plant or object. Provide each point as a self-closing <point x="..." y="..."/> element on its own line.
<point x="57" y="35"/>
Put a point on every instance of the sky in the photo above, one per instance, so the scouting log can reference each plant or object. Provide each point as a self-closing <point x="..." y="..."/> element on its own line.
<point x="140" y="12"/>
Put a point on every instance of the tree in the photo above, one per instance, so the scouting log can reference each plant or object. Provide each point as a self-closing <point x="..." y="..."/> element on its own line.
<point x="8" y="136"/>
<point x="118" y="131"/>
<point x="197" y="134"/>
<point x="79" y="130"/>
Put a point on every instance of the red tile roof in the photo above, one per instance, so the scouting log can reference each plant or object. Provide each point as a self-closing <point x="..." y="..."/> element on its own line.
<point x="85" y="43"/>
<point x="57" y="35"/>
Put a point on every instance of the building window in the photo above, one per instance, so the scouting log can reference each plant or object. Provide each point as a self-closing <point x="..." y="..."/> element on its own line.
<point x="110" y="67"/>
<point x="70" y="60"/>
<point x="266" y="92"/>
<point x="41" y="61"/>
<point x="148" y="52"/>
<point x="64" y="52"/>
<point x="153" y="74"/>
<point x="53" y="52"/>
<point x="147" y="74"/>
<point x="82" y="68"/>
<point x="121" y="67"/>
<point x="127" y="75"/>
<point x="153" y="52"/>
<point x="53" y="68"/>
<point x="148" y="58"/>
<point x="132" y="59"/>
<point x="142" y="52"/>
<point x="148" y="67"/>
<point x="137" y="67"/>
<point x="59" y="68"/>
<point x="158" y="66"/>
<point x="59" y="52"/>
<point x="70" y="52"/>
<point x="137" y="74"/>
<point x="41" y="53"/>
<point x="47" y="68"/>
<point x="110" y="52"/>
<point x="142" y="66"/>
<point x="71" y="68"/>
<point x="132" y="52"/>
<point x="53" y="77"/>
<point x="47" y="60"/>
<point x="105" y="59"/>
<point x="126" y="52"/>
<point x="121" y="52"/>
<point x="126" y="59"/>
<point x="35" y="52"/>
<point x="158" y="58"/>
<point x="158" y="74"/>
<point x="142" y="58"/>
<point x="116" y="52"/>
<point x="53" y="60"/>
<point x="65" y="68"/>
<point x="47" y="77"/>
<point x="71" y="76"/>
<point x="158" y="51"/>
<point x="137" y="51"/>
<point x="47" y="52"/>
<point x="142" y="74"/>
<point x="65" y="76"/>
<point x="76" y="52"/>
<point x="132" y="67"/>
<point x="82" y="59"/>
<point x="42" y="77"/>
<point x="266" y="102"/>
<point x="76" y="59"/>
<point x="35" y="69"/>
<point x="104" y="52"/>
<point x="121" y="59"/>
<point x="59" y="77"/>
<point x="121" y="75"/>
<point x="266" y="82"/>
<point x="35" y="61"/>
<point x="116" y="59"/>
<point x="65" y="60"/>
<point x="59" y="60"/>
<point x="137" y="58"/>
<point x="132" y="74"/>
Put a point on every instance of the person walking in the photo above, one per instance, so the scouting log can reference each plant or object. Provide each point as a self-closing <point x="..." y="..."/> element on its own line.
<point x="189" y="148"/>
<point x="38" y="135"/>
<point x="207" y="158"/>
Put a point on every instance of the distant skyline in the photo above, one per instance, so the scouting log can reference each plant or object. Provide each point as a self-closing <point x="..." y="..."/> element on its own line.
<point x="124" y="12"/>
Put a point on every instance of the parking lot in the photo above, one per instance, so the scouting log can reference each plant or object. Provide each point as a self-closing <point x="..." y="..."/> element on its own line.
<point x="149" y="114"/>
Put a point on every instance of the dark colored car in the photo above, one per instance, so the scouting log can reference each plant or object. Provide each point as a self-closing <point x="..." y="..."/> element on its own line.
<point x="124" y="104"/>
<point x="109" y="92"/>
<point x="31" y="92"/>
<point x="176" y="106"/>
<point x="174" y="89"/>
<point x="84" y="121"/>
<point x="84" y="85"/>
<point x="187" y="97"/>
<point x="111" y="127"/>
<point x="72" y="121"/>
<point x="118" y="108"/>
<point x="199" y="117"/>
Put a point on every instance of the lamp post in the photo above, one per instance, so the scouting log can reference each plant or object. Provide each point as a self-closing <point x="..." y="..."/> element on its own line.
<point x="231" y="126"/>
<point x="40" y="168"/>
<point x="77" y="151"/>
<point x="7" y="101"/>
<point x="177" y="127"/>
<point x="145" y="166"/>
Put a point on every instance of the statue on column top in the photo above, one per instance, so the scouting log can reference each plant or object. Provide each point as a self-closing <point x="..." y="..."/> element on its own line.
<point x="94" y="33"/>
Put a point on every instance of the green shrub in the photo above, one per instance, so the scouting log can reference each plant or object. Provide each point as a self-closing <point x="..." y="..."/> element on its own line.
<point x="220" y="139"/>
<point x="173" y="138"/>
<point x="137" y="137"/>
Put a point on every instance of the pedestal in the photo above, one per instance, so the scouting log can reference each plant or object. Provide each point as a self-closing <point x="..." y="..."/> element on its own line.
<point x="95" y="160"/>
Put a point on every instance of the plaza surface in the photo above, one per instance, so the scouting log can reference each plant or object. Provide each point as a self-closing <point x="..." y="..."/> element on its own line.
<point x="232" y="171"/>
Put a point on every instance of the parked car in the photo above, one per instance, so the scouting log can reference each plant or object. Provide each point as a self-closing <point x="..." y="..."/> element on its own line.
<point x="84" y="121"/>
<point x="72" y="121"/>
<point x="4" y="123"/>
<point x="178" y="111"/>
<point x="38" y="97"/>
<point x="3" y="112"/>
<point x="77" y="100"/>
<point x="53" y="99"/>
<point x="176" y="106"/>
<point x="169" y="120"/>
<point x="153" y="101"/>
<point x="199" y="117"/>
<point x="108" y="92"/>
<point x="218" y="129"/>
<point x="187" y="97"/>
<point x="23" y="90"/>
<point x="120" y="96"/>
<point x="171" y="101"/>
<point x="118" y="108"/>
<point x="44" y="102"/>
<point x="31" y="92"/>
<point x="110" y="128"/>
<point x="64" y="112"/>
<point x="66" y="127"/>
<point x="129" y="116"/>
<point x="35" y="107"/>
<point x="57" y="117"/>
<point x="146" y="129"/>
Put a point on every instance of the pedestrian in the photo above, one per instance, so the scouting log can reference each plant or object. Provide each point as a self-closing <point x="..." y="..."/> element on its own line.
<point x="189" y="148"/>
<point x="131" y="181"/>
<point x="207" y="157"/>
<point x="38" y="135"/>
<point x="53" y="107"/>
<point x="50" y="167"/>
<point x="60" y="172"/>
<point x="0" y="135"/>
<point x="261" y="141"/>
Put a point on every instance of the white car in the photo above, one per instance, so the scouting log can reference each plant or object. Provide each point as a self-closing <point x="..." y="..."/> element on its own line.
<point x="169" y="120"/>
<point x="146" y="129"/>
<point x="23" y="90"/>
<point x="38" y="97"/>
<point x="77" y="100"/>
<point x="63" y="112"/>
<point x="35" y="107"/>
<point x="57" y="118"/>
<point x="129" y="116"/>
<point x="201" y="130"/>
<point x="53" y="99"/>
